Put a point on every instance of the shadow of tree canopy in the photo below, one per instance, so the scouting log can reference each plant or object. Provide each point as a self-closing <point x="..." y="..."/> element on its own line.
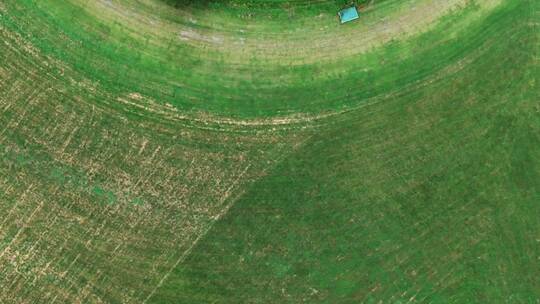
<point x="268" y="9"/>
<point x="259" y="3"/>
<point x="190" y="3"/>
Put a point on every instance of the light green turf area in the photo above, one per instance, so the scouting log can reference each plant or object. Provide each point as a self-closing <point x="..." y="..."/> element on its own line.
<point x="160" y="151"/>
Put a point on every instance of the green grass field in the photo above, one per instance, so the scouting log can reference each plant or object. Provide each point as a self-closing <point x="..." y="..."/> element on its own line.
<point x="172" y="151"/>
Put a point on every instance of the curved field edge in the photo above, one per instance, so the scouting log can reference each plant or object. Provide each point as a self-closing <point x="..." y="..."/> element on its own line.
<point x="186" y="81"/>
<point x="430" y="196"/>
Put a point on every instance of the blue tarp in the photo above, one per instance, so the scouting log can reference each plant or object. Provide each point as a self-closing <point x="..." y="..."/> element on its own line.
<point x="348" y="14"/>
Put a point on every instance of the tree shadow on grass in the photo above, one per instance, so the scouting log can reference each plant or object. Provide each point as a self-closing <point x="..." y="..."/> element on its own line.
<point x="255" y="3"/>
<point x="190" y="3"/>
